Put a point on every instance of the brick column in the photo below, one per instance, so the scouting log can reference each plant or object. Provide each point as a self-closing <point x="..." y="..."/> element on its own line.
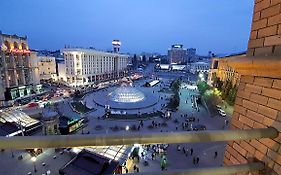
<point x="265" y="37"/>
<point x="258" y="102"/>
<point x="258" y="105"/>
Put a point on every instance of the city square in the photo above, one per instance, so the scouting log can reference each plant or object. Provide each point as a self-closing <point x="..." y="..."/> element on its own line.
<point x="151" y="88"/>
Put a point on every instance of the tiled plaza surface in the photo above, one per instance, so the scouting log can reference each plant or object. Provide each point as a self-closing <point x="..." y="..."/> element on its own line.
<point x="177" y="159"/>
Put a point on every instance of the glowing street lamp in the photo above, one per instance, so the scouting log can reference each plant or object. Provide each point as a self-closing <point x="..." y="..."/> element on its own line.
<point x="33" y="159"/>
<point x="201" y="76"/>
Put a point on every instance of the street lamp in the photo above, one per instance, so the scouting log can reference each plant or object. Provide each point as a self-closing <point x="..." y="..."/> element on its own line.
<point x="33" y="159"/>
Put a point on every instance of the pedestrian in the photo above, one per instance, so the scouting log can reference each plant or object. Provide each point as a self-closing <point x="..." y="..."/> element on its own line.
<point x="178" y="148"/>
<point x="162" y="167"/>
<point x="191" y="151"/>
<point x="194" y="160"/>
<point x="126" y="169"/>
<point x="183" y="149"/>
<point x="216" y="154"/>
<point x="197" y="160"/>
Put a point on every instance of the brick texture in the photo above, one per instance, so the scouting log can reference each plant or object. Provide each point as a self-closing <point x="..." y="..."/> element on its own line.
<point x="258" y="106"/>
<point x="258" y="103"/>
<point x="265" y="34"/>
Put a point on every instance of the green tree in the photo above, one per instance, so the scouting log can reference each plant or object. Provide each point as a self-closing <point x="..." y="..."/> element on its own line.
<point x="202" y="86"/>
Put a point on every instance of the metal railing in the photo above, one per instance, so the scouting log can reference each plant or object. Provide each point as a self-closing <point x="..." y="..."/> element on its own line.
<point x="233" y="169"/>
<point x="65" y="141"/>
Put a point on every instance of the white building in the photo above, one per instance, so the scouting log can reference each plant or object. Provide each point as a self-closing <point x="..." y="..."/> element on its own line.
<point x="88" y="66"/>
<point x="198" y="67"/>
<point x="47" y="68"/>
<point x="62" y="71"/>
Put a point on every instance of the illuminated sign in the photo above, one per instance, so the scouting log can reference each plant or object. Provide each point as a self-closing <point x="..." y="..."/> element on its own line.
<point x="116" y="42"/>
<point x="19" y="51"/>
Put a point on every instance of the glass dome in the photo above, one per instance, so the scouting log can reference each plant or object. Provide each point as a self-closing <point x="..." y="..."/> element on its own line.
<point x="126" y="95"/>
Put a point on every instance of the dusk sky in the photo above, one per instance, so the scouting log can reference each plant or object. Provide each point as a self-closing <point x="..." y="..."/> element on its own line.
<point x="222" y="26"/>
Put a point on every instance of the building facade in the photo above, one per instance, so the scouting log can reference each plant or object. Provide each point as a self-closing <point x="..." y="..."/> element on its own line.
<point x="177" y="54"/>
<point x="47" y="68"/>
<point x="61" y="71"/>
<point x="191" y="54"/>
<point x="18" y="67"/>
<point x="198" y="67"/>
<point x="221" y="70"/>
<point x="88" y="66"/>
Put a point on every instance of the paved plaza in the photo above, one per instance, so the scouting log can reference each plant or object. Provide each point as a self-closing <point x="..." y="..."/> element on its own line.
<point x="178" y="156"/>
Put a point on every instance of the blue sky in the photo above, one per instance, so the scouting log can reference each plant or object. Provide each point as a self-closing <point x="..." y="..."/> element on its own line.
<point x="222" y="26"/>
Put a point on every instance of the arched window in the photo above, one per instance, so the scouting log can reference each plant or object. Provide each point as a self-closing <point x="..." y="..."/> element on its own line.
<point x="16" y="46"/>
<point x="23" y="46"/>
<point x="8" y="45"/>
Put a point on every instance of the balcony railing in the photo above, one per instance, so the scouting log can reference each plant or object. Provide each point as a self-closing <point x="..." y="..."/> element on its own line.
<point x="64" y="141"/>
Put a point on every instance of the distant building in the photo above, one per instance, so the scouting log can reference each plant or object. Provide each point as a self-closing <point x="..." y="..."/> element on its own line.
<point x="116" y="46"/>
<point x="221" y="70"/>
<point x="171" y="67"/>
<point x="61" y="71"/>
<point x="18" y="67"/>
<point x="47" y="68"/>
<point x="88" y="66"/>
<point x="198" y="67"/>
<point x="177" y="54"/>
<point x="191" y="54"/>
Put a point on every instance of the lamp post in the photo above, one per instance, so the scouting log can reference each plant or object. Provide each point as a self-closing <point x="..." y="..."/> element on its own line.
<point x="33" y="159"/>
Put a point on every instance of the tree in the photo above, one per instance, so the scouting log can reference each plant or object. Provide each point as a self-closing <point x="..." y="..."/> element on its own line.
<point x="202" y="86"/>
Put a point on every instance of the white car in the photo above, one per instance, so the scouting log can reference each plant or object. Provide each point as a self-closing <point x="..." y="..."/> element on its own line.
<point x="222" y="112"/>
<point x="218" y="107"/>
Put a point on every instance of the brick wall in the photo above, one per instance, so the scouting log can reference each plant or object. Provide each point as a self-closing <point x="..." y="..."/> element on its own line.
<point x="265" y="37"/>
<point x="258" y="105"/>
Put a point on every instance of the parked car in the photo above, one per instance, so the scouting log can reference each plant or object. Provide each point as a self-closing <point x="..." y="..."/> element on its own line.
<point x="190" y="119"/>
<point x="199" y="128"/>
<point x="222" y="112"/>
<point x="218" y="106"/>
<point x="32" y="104"/>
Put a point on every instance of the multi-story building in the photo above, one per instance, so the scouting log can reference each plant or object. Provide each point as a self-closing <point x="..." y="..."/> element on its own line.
<point x="198" y="67"/>
<point x="61" y="70"/>
<point x="177" y="54"/>
<point x="88" y="66"/>
<point x="47" y="68"/>
<point x="19" y="70"/>
<point x="191" y="54"/>
<point x="221" y="70"/>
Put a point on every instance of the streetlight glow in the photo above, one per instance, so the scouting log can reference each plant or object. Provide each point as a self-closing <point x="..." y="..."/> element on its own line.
<point x="127" y="128"/>
<point x="33" y="159"/>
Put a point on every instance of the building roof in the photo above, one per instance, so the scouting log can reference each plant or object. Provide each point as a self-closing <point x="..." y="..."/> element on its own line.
<point x="92" y="51"/>
<point x="234" y="54"/>
<point x="201" y="62"/>
<point x="17" y="117"/>
<point x="8" y="128"/>
<point x="86" y="163"/>
<point x="49" y="114"/>
<point x="13" y="36"/>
